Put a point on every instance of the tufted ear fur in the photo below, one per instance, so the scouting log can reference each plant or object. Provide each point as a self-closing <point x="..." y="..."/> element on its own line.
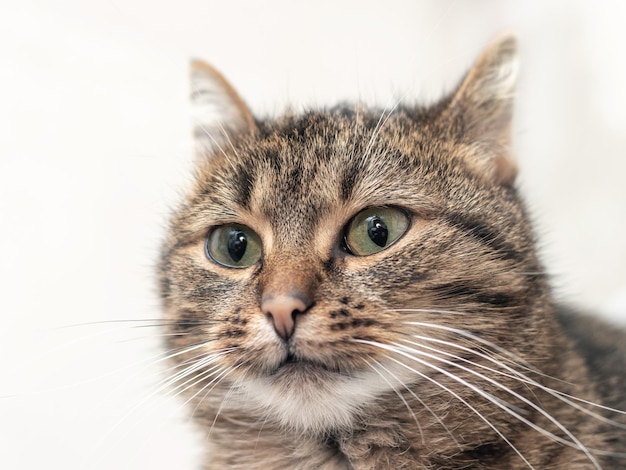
<point x="218" y="112"/>
<point x="482" y="107"/>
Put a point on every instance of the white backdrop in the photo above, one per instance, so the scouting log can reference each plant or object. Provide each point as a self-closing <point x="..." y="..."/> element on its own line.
<point x="95" y="143"/>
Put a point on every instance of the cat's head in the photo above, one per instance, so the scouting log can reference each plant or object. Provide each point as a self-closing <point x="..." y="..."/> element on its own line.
<point x="316" y="253"/>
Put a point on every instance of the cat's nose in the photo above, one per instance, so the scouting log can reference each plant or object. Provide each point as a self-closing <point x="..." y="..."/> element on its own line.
<point x="283" y="310"/>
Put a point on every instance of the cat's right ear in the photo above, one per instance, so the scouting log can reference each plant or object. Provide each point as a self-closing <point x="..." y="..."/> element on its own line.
<point x="218" y="112"/>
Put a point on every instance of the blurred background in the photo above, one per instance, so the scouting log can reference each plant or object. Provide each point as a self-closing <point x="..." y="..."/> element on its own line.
<point x="95" y="147"/>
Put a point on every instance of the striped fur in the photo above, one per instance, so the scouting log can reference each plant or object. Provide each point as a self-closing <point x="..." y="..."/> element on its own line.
<point x="443" y="351"/>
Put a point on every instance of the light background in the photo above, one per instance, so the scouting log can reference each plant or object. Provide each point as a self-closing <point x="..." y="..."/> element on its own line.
<point x="95" y="145"/>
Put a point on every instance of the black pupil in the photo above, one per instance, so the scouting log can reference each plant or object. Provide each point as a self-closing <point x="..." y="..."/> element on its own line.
<point x="237" y="243"/>
<point x="377" y="230"/>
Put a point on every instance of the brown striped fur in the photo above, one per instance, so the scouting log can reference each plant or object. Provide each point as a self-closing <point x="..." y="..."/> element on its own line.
<point x="438" y="352"/>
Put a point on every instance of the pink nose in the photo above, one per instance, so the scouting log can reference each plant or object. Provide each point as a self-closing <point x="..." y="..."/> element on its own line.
<point x="283" y="310"/>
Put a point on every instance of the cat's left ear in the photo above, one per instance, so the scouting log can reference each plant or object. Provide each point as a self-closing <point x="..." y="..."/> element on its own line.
<point x="218" y="112"/>
<point x="482" y="107"/>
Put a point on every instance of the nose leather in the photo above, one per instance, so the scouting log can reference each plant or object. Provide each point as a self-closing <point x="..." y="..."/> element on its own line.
<point x="283" y="310"/>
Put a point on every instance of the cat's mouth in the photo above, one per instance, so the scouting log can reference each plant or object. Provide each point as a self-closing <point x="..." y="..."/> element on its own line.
<point x="293" y="363"/>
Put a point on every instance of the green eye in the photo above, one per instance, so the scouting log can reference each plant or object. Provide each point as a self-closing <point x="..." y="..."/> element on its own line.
<point x="233" y="246"/>
<point x="374" y="229"/>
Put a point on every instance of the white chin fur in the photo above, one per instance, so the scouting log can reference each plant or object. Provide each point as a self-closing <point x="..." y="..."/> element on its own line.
<point x="316" y="401"/>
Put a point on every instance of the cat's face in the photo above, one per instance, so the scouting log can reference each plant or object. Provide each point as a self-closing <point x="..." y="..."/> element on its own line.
<point x="316" y="254"/>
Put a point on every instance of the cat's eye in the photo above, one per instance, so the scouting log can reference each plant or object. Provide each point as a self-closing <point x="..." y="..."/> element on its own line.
<point x="233" y="246"/>
<point x="374" y="229"/>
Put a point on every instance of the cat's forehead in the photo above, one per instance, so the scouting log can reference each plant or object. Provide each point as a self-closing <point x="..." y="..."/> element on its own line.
<point x="299" y="170"/>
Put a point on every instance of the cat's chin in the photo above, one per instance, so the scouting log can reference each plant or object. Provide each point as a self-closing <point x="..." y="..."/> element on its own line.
<point x="308" y="397"/>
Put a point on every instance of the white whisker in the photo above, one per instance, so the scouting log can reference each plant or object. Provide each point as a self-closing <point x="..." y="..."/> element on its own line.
<point x="225" y="399"/>
<point x="440" y="385"/>
<point x="216" y="143"/>
<point x="574" y="441"/>
<point x="163" y="385"/>
<point x="514" y="374"/>
<point x="223" y="131"/>
<point x="379" y="126"/>
<point x="518" y="360"/>
<point x="408" y="407"/>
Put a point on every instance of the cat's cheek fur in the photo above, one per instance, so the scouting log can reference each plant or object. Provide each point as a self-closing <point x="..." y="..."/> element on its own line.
<point x="319" y="403"/>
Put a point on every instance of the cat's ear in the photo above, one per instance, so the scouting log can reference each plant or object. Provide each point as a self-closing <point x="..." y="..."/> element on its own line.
<point x="218" y="112"/>
<point x="482" y="106"/>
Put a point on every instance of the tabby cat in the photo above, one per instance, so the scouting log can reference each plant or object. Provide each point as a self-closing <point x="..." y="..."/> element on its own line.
<point x="355" y="288"/>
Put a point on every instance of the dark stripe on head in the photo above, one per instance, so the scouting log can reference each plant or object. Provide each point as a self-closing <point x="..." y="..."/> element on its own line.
<point x="244" y="182"/>
<point x="467" y="292"/>
<point x="348" y="181"/>
<point x="485" y="234"/>
<point x="294" y="181"/>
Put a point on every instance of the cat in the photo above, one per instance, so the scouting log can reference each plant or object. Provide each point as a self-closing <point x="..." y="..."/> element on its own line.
<point x="353" y="288"/>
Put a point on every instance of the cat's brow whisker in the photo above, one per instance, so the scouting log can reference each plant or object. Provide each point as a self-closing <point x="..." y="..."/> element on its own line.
<point x="223" y="131"/>
<point x="216" y="143"/>
<point x="440" y="385"/>
<point x="372" y="139"/>
<point x="379" y="126"/>
<point x="357" y="120"/>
